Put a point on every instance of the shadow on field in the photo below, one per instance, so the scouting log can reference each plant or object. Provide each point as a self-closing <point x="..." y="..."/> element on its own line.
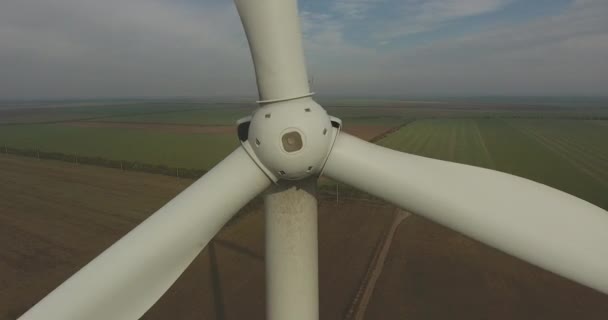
<point x="238" y="248"/>
<point x="218" y="298"/>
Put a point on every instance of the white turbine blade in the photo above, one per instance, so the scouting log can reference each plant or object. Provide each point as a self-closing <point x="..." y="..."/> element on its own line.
<point x="130" y="276"/>
<point x="539" y="224"/>
<point x="273" y="32"/>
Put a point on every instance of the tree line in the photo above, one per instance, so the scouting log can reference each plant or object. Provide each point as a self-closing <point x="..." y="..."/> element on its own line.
<point x="108" y="163"/>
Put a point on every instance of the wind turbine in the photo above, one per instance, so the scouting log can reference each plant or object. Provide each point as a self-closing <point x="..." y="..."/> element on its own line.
<point x="287" y="143"/>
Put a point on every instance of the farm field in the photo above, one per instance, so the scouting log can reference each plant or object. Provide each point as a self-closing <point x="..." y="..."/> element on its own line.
<point x="567" y="154"/>
<point x="191" y="113"/>
<point x="185" y="150"/>
<point x="182" y="146"/>
<point x="193" y="136"/>
<point x="57" y="216"/>
<point x="358" y="111"/>
<point x="433" y="273"/>
<point x="107" y="111"/>
<point x="570" y="155"/>
<point x="199" y="116"/>
<point x="599" y="122"/>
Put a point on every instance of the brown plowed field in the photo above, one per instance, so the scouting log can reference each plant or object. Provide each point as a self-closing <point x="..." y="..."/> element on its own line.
<point x="434" y="273"/>
<point x="55" y="217"/>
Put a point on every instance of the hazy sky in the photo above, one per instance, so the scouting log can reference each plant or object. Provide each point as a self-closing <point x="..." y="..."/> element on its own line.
<point x="128" y="48"/>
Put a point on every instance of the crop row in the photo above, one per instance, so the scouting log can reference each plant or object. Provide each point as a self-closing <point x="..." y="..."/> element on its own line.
<point x="567" y="155"/>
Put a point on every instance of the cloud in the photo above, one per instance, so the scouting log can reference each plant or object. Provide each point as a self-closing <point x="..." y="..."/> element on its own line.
<point x="561" y="53"/>
<point x="354" y="9"/>
<point x="417" y="16"/>
<point x="113" y="48"/>
<point x="57" y="48"/>
<point x="406" y="17"/>
<point x="324" y="35"/>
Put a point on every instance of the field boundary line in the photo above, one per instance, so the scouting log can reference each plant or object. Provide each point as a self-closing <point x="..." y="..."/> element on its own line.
<point x="560" y="150"/>
<point x="391" y="131"/>
<point x="359" y="304"/>
<point x="483" y="144"/>
<point x="180" y="124"/>
<point x="123" y="165"/>
<point x="108" y="116"/>
<point x="584" y="157"/>
<point x="589" y="150"/>
<point x="453" y="138"/>
<point x="147" y="123"/>
<point x="156" y="127"/>
<point x="601" y="123"/>
<point x="421" y="141"/>
<point x="556" y="150"/>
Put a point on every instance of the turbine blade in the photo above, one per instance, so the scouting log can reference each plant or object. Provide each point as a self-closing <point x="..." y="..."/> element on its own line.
<point x="546" y="227"/>
<point x="129" y="277"/>
<point x="273" y="31"/>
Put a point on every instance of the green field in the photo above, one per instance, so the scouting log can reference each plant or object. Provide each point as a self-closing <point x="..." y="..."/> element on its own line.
<point x="47" y="128"/>
<point x="166" y="112"/>
<point x="200" y="116"/>
<point x="571" y="155"/>
<point x="195" y="151"/>
<point x="533" y="142"/>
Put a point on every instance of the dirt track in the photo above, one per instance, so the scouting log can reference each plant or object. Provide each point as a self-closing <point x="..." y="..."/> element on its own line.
<point x="364" y="295"/>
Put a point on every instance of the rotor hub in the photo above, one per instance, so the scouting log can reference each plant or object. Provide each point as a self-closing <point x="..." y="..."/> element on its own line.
<point x="291" y="139"/>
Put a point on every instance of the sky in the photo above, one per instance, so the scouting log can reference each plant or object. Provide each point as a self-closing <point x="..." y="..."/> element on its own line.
<point x="60" y="49"/>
